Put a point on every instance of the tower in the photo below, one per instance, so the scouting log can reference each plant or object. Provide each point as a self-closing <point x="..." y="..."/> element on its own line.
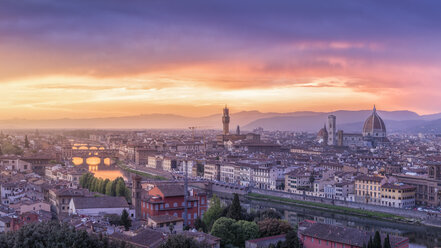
<point x="136" y="195"/>
<point x="332" y="130"/>
<point x="238" y="130"/>
<point x="226" y="121"/>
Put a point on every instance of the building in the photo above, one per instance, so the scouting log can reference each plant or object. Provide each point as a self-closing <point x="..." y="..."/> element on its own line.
<point x="230" y="173"/>
<point x="226" y="121"/>
<point x="332" y="134"/>
<point x="60" y="198"/>
<point x="265" y="242"/>
<point x="428" y="187"/>
<point x="163" y="222"/>
<point x="212" y="170"/>
<point x="297" y="180"/>
<point x="398" y="195"/>
<point x="318" y="235"/>
<point x="368" y="189"/>
<point x="98" y="206"/>
<point x="374" y="129"/>
<point x="168" y="199"/>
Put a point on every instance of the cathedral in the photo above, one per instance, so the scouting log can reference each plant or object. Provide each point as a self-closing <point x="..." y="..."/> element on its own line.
<point x="373" y="133"/>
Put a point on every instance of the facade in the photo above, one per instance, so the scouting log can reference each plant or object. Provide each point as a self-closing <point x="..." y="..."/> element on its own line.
<point x="168" y="199"/>
<point x="398" y="195"/>
<point x="428" y="187"/>
<point x="163" y="222"/>
<point x="297" y="180"/>
<point x="230" y="173"/>
<point x="368" y="189"/>
<point x="212" y="170"/>
<point x="60" y="198"/>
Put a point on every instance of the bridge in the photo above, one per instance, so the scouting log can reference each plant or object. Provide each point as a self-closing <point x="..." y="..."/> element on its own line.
<point x="86" y="154"/>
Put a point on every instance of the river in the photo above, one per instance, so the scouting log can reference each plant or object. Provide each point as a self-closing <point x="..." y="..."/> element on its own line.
<point x="419" y="236"/>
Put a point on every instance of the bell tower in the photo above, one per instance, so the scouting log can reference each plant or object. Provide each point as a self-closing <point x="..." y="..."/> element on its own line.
<point x="136" y="195"/>
<point x="226" y="120"/>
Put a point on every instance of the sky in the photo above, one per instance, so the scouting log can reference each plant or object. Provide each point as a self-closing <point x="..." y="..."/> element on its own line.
<point x="85" y="59"/>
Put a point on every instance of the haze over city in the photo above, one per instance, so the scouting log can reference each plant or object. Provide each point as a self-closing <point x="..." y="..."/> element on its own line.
<point x="87" y="59"/>
<point x="220" y="123"/>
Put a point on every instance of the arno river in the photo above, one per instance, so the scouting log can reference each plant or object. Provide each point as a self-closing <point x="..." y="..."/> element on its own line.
<point x="419" y="236"/>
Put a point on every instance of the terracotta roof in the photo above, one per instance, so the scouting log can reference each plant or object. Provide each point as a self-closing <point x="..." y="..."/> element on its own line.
<point x="165" y="218"/>
<point x="100" y="202"/>
<point x="170" y="190"/>
<point x="345" y="235"/>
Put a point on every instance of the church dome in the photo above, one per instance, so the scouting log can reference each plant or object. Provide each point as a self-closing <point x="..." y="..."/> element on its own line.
<point x="374" y="126"/>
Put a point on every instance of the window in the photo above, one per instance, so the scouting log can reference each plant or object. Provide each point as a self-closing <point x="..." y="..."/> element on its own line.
<point x="175" y="204"/>
<point x="195" y="216"/>
<point x="166" y="205"/>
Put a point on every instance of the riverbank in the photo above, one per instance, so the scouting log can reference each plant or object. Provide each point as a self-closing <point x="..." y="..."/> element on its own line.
<point x="334" y="208"/>
<point x="138" y="172"/>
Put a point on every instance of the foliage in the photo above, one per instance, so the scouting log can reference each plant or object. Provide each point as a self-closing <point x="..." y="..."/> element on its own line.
<point x="54" y="235"/>
<point x="116" y="187"/>
<point x="125" y="220"/>
<point x="291" y="240"/>
<point x="26" y="142"/>
<point x="235" y="210"/>
<point x="387" y="242"/>
<point x="271" y="227"/>
<point x="377" y="240"/>
<point x="213" y="213"/>
<point x="234" y="232"/>
<point x="245" y="230"/>
<point x="268" y="214"/>
<point x="200" y="225"/>
<point x="8" y="148"/>
<point x="182" y="241"/>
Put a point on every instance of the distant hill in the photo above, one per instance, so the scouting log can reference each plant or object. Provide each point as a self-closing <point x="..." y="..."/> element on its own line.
<point x="349" y="121"/>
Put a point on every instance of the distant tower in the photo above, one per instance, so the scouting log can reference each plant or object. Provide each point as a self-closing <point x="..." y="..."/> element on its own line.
<point x="332" y="130"/>
<point x="136" y="195"/>
<point x="325" y="135"/>
<point x="238" y="130"/>
<point x="226" y="120"/>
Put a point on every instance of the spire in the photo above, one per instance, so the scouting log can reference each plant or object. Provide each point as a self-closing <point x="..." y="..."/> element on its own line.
<point x="324" y="126"/>
<point x="375" y="109"/>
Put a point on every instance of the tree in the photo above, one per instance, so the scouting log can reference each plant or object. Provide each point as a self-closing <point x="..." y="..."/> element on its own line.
<point x="291" y="240"/>
<point x="200" y="225"/>
<point x="370" y="243"/>
<point x="125" y="220"/>
<point x="271" y="227"/>
<point x="245" y="230"/>
<point x="182" y="241"/>
<point x="235" y="210"/>
<point x="223" y="229"/>
<point x="103" y="186"/>
<point x="110" y="188"/>
<point x="26" y="142"/>
<point x="120" y="187"/>
<point x="213" y="213"/>
<point x="377" y="240"/>
<point x="53" y="234"/>
<point x="387" y="242"/>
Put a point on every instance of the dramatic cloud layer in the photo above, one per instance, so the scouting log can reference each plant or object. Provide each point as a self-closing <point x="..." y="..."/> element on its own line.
<point x="110" y="58"/>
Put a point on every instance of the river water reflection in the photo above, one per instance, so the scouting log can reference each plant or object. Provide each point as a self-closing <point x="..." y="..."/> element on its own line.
<point x="419" y="236"/>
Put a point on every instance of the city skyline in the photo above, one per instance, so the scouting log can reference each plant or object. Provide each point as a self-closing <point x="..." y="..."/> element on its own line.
<point x="84" y="60"/>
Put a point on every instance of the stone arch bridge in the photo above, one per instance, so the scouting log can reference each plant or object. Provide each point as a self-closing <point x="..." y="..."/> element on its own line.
<point x="82" y="154"/>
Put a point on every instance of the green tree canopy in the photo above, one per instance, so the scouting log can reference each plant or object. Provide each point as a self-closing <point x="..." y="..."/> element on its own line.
<point x="271" y="227"/>
<point x="235" y="210"/>
<point x="182" y="241"/>
<point x="213" y="213"/>
<point x="377" y="240"/>
<point x="223" y="229"/>
<point x="125" y="220"/>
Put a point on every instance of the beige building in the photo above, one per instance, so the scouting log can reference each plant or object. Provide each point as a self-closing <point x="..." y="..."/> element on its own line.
<point x="297" y="180"/>
<point x="368" y="189"/>
<point x="398" y="195"/>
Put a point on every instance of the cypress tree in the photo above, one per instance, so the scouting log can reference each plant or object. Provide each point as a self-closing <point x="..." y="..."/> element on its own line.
<point x="26" y="142"/>
<point x="370" y="243"/>
<point x="377" y="240"/>
<point x="387" y="242"/>
<point x="235" y="210"/>
<point x="125" y="220"/>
